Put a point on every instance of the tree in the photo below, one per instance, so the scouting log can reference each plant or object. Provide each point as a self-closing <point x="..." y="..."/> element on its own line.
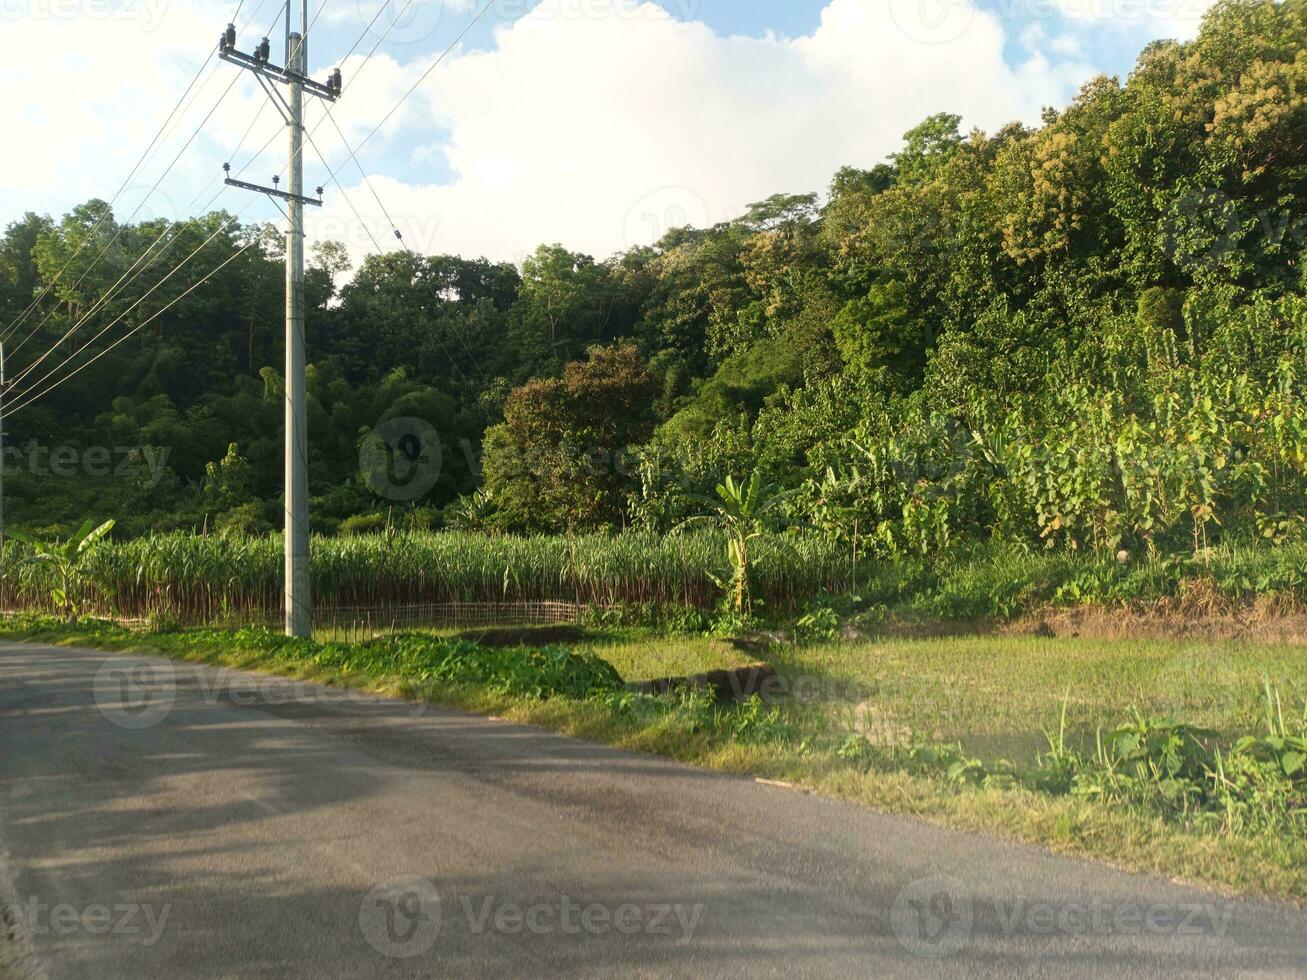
<point x="558" y="460"/>
<point x="881" y="340"/>
<point x="927" y="147"/>
<point x="566" y="302"/>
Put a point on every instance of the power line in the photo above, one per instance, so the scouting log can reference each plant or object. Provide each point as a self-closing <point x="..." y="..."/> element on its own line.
<point x="333" y="174"/>
<point x="120" y="285"/>
<point x="124" y="313"/>
<point x="426" y="74"/>
<point x="140" y="326"/>
<point x="50" y="285"/>
<point x="147" y="157"/>
<point x="252" y="17"/>
<point x="394" y="228"/>
<point x="121" y="227"/>
<point x="380" y="10"/>
<point x="108" y="326"/>
<point x="453" y="362"/>
<point x="22" y="316"/>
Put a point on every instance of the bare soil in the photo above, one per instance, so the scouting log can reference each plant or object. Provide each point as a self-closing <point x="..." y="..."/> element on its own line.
<point x="1197" y="615"/>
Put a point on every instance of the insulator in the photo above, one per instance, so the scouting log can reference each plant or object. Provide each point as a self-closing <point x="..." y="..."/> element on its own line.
<point x="264" y="50"/>
<point x="226" y="168"/>
<point x="229" y="37"/>
<point x="334" y="81"/>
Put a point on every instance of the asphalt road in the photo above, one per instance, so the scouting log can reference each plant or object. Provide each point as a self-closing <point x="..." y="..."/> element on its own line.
<point x="164" y="820"/>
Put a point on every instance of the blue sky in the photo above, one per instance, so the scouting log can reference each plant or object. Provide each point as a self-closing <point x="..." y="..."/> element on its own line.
<point x="592" y="122"/>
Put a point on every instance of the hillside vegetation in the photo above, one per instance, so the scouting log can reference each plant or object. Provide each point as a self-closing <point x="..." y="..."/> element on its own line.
<point x="1084" y="336"/>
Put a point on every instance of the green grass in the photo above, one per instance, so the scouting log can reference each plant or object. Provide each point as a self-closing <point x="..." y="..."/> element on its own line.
<point x="970" y="687"/>
<point x="641" y="655"/>
<point x="993" y="694"/>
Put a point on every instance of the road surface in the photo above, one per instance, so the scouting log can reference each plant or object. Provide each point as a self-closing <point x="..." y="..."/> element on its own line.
<point x="164" y="820"/>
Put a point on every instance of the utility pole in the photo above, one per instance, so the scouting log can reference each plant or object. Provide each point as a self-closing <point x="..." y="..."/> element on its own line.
<point x="2" y="473"/>
<point x="297" y="602"/>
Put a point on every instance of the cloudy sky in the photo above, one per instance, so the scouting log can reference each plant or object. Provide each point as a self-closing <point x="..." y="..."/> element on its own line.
<point x="596" y="123"/>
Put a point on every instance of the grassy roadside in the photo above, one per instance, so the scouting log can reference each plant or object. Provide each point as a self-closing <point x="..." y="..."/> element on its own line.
<point x="803" y="744"/>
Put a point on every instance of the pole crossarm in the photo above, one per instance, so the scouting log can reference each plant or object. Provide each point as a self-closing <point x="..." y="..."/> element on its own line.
<point x="273" y="192"/>
<point x="275" y="72"/>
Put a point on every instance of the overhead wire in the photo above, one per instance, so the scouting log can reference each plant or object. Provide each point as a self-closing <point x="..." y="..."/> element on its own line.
<point x="453" y="361"/>
<point x="22" y="396"/>
<point x="353" y="155"/>
<point x="395" y="229"/>
<point x="122" y="285"/>
<point x="123" y="226"/>
<point x="140" y="326"/>
<point x="427" y="74"/>
<point x="13" y="326"/>
<point x="123" y="282"/>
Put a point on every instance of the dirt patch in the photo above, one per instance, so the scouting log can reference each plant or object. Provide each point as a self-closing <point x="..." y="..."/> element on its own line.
<point x="737" y="684"/>
<point x="531" y="636"/>
<point x="1200" y="613"/>
<point x="754" y="642"/>
<point x="1192" y="616"/>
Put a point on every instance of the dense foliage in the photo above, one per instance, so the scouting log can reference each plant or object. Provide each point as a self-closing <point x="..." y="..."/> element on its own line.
<point x="1086" y="335"/>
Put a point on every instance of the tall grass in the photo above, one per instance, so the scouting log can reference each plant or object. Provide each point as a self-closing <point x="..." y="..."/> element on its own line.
<point x="238" y="579"/>
<point x="200" y="579"/>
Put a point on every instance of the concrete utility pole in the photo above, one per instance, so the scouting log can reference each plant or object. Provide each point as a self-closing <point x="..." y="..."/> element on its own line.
<point x="297" y="602"/>
<point x="2" y="465"/>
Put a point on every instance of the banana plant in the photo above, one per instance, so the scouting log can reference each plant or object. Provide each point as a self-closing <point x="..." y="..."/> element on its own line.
<point x="67" y="561"/>
<point x="740" y="510"/>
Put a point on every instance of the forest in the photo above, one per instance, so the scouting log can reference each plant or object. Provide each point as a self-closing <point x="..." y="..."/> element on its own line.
<point x="1087" y="335"/>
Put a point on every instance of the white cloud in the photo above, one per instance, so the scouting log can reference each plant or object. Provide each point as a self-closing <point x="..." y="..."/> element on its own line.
<point x="1160" y="18"/>
<point x="597" y="123"/>
<point x="86" y="87"/>
<point x="599" y="130"/>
